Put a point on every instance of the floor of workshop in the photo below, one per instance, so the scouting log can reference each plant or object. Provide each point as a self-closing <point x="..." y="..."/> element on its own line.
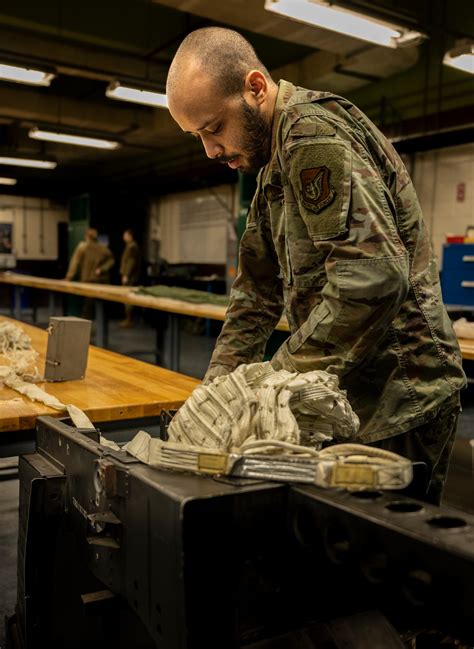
<point x="196" y="350"/>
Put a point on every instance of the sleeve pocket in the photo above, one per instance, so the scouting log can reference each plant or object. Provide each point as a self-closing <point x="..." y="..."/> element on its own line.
<point x="320" y="316"/>
<point x="320" y="174"/>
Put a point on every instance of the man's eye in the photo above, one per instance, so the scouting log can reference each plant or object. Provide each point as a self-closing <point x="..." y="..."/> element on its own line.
<point x="216" y="130"/>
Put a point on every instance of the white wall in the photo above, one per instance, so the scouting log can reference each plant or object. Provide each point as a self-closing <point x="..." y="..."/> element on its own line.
<point x="35" y="232"/>
<point x="437" y="176"/>
<point x="192" y="227"/>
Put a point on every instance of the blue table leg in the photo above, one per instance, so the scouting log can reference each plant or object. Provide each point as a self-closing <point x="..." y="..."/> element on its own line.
<point x="17" y="307"/>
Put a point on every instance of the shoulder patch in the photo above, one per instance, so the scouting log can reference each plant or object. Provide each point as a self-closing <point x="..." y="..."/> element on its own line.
<point x="316" y="187"/>
<point x="319" y="173"/>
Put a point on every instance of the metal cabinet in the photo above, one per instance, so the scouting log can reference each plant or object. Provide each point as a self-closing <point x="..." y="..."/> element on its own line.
<point x="457" y="278"/>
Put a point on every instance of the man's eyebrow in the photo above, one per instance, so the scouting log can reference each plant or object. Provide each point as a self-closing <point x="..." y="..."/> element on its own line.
<point x="201" y="128"/>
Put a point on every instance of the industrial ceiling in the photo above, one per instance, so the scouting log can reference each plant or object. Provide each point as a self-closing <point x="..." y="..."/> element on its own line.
<point x="88" y="45"/>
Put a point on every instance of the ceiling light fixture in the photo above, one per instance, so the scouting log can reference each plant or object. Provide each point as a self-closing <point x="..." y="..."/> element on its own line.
<point x="67" y="138"/>
<point x="461" y="57"/>
<point x="126" y="92"/>
<point x="351" y="23"/>
<point x="37" y="163"/>
<point x="8" y="181"/>
<point x="23" y="74"/>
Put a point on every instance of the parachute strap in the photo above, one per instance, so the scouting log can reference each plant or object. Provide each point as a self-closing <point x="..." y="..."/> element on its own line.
<point x="355" y="466"/>
<point x="348" y="466"/>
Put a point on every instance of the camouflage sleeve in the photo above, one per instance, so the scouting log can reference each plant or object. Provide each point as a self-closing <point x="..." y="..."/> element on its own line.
<point x="107" y="262"/>
<point x="130" y="261"/>
<point x="350" y="218"/>
<point x="256" y="300"/>
<point x="76" y="261"/>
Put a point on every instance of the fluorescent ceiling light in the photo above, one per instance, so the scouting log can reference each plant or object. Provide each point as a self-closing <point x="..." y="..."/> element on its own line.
<point x="124" y="92"/>
<point x="66" y="138"/>
<point x="461" y="57"/>
<point x="28" y="162"/>
<point x="8" y="181"/>
<point x="25" y="75"/>
<point x="344" y="21"/>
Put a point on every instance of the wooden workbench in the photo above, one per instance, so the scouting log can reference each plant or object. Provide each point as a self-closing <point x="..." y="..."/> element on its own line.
<point x="115" y="387"/>
<point x="110" y="293"/>
<point x="123" y="294"/>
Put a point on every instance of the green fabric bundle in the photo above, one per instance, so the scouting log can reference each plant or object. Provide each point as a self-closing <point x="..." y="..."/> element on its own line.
<point x="185" y="294"/>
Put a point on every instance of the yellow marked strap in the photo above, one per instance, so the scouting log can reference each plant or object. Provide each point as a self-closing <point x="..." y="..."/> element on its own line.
<point x="353" y="476"/>
<point x="212" y="463"/>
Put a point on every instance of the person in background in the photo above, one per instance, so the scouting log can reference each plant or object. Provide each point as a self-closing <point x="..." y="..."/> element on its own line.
<point x="335" y="237"/>
<point x="130" y="264"/>
<point x="93" y="261"/>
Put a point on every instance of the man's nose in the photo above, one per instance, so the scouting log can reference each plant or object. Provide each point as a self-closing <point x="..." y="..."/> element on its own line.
<point x="211" y="147"/>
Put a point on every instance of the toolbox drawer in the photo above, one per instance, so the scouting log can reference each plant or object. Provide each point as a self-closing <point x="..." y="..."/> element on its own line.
<point x="457" y="277"/>
<point x="459" y="256"/>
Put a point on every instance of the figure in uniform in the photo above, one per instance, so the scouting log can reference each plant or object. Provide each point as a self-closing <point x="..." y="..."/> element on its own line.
<point x="335" y="240"/>
<point x="130" y="271"/>
<point x="93" y="261"/>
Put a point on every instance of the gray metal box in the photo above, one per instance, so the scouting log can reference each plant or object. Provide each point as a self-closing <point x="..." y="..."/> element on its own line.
<point x="68" y="346"/>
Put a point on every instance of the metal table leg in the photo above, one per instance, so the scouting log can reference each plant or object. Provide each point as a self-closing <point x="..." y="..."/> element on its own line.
<point x="159" y="341"/>
<point x="101" y="336"/>
<point x="172" y="343"/>
<point x="51" y="303"/>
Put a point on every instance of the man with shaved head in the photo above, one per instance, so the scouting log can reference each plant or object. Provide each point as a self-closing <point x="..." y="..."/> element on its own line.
<point x="335" y="238"/>
<point x="215" y="62"/>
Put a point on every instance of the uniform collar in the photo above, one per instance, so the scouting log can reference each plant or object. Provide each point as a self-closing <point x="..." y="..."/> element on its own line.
<point x="285" y="91"/>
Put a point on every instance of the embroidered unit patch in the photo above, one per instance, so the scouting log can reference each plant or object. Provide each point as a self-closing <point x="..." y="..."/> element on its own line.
<point x="316" y="187"/>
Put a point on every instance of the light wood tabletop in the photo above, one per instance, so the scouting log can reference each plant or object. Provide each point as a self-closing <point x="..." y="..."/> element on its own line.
<point x="124" y="295"/>
<point x="115" y="387"/>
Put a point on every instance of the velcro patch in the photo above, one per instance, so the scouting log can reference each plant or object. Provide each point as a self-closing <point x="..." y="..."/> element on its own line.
<point x="319" y="171"/>
<point x="316" y="187"/>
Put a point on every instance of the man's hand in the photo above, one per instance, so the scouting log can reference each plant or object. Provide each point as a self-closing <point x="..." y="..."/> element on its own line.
<point x="124" y="279"/>
<point x="98" y="271"/>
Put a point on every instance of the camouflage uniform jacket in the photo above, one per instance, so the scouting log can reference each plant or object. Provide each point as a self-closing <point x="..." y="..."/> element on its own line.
<point x="130" y="262"/>
<point x="335" y="235"/>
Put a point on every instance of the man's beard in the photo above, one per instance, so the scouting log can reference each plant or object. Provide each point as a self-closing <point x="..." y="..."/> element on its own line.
<point x="256" y="139"/>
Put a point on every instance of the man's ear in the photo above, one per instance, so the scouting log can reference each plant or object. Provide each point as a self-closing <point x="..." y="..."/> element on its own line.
<point x="256" y="85"/>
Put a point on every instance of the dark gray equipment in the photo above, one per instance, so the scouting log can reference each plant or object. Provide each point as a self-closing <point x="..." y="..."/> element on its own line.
<point x="68" y="347"/>
<point x="113" y="553"/>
